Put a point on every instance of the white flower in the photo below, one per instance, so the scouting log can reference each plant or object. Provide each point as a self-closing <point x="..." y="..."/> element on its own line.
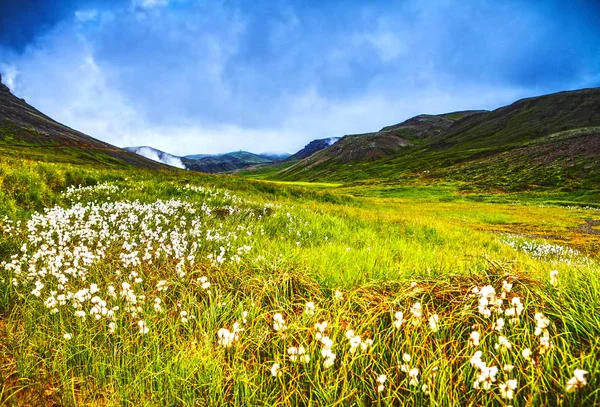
<point x="298" y="354"/>
<point x="416" y="312"/>
<point x="507" y="389"/>
<point x="68" y="336"/>
<point x="577" y="381"/>
<point x="279" y="323"/>
<point x="499" y="325"/>
<point x="205" y="284"/>
<point x="413" y="374"/>
<point x="275" y="370"/>
<point x="338" y="295"/>
<point x="399" y="319"/>
<point x="380" y="381"/>
<point x="309" y="308"/>
<point x="503" y="343"/>
<point x="526" y="353"/>
<point x="227" y="337"/>
<point x="433" y="322"/>
<point x="474" y="338"/>
<point x="554" y="277"/>
<point x="406" y="357"/>
<point x="143" y="327"/>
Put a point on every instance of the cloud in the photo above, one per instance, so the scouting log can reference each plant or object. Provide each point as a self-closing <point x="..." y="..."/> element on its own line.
<point x="159" y="156"/>
<point x="209" y="77"/>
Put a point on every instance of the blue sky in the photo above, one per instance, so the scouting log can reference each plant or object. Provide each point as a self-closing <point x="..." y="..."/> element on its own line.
<point x="191" y="76"/>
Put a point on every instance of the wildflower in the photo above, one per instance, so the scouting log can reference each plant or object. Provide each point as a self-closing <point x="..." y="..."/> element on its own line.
<point x="507" y="389"/>
<point x="399" y="319"/>
<point x="413" y="284"/>
<point x="338" y="295"/>
<point x="508" y="368"/>
<point x="275" y="370"/>
<point x="474" y="338"/>
<point x="476" y="359"/>
<point x="554" y="277"/>
<point x="380" y="381"/>
<point x="227" y="337"/>
<point x="279" y="323"/>
<point x="143" y="328"/>
<point x="416" y="312"/>
<point x="406" y="357"/>
<point x="413" y="374"/>
<point x="503" y="343"/>
<point x="68" y="336"/>
<point x="320" y="328"/>
<point x="541" y="323"/>
<point x="515" y="310"/>
<point x="80" y="314"/>
<point x="577" y="381"/>
<point x="298" y="354"/>
<point x="487" y="376"/>
<point x="309" y="308"/>
<point x="157" y="306"/>
<point x="366" y="344"/>
<point x="499" y="325"/>
<point x="425" y="390"/>
<point x="526" y="353"/>
<point x="183" y="316"/>
<point x="354" y="343"/>
<point x="111" y="328"/>
<point x="244" y="317"/>
<point x="433" y="322"/>
<point x="205" y="284"/>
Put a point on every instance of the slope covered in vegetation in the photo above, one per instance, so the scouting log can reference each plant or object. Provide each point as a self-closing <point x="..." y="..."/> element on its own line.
<point x="176" y="288"/>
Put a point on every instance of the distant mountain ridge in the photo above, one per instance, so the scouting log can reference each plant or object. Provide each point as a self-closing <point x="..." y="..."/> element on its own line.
<point x="549" y="140"/>
<point x="313" y="147"/>
<point x="225" y="162"/>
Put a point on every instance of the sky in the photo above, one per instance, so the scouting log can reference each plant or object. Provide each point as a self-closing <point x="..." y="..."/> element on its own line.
<point x="196" y="76"/>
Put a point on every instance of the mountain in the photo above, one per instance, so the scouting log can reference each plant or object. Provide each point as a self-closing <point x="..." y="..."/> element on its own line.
<point x="386" y="142"/>
<point x="157" y="155"/>
<point x="540" y="141"/>
<point x="25" y="132"/>
<point x="224" y="162"/>
<point x="313" y="147"/>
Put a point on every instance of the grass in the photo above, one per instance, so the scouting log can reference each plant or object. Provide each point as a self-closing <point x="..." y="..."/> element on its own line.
<point x="271" y="248"/>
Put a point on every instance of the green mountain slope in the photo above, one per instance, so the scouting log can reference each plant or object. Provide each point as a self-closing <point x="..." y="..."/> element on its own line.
<point x="27" y="133"/>
<point x="548" y="140"/>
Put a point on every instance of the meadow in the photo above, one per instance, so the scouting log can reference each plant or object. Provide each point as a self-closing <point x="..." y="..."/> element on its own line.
<point x="143" y="288"/>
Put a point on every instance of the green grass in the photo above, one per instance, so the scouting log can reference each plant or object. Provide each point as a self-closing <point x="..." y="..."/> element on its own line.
<point x="383" y="246"/>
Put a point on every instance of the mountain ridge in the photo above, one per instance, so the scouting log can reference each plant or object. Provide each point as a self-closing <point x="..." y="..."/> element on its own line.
<point x="28" y="133"/>
<point x="470" y="147"/>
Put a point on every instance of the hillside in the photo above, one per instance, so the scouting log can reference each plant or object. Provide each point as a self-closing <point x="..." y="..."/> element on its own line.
<point x="387" y="142"/>
<point x="549" y="140"/>
<point x="224" y="163"/>
<point x="28" y="133"/>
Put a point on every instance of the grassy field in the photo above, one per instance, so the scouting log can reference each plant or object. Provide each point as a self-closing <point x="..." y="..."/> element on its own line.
<point x="149" y="288"/>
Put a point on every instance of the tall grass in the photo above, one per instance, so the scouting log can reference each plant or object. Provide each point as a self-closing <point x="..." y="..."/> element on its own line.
<point x="359" y="261"/>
